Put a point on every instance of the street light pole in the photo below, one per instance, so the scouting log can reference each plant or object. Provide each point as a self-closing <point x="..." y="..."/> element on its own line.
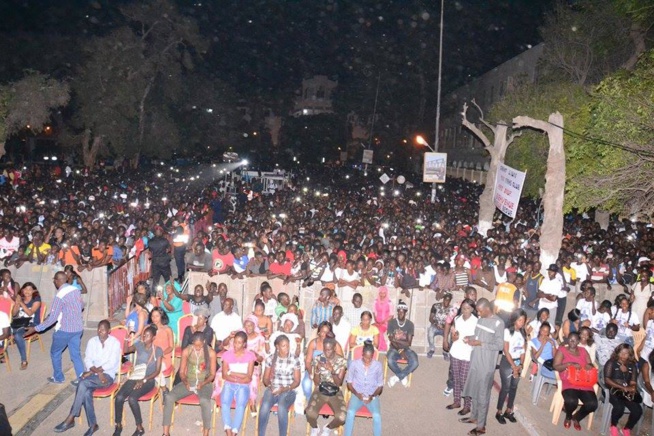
<point x="438" y="94"/>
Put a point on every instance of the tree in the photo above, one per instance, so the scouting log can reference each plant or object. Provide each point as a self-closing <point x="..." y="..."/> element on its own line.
<point x="128" y="87"/>
<point x="619" y="151"/>
<point x="28" y="103"/>
<point x="586" y="40"/>
<point x="552" y="229"/>
<point x="497" y="151"/>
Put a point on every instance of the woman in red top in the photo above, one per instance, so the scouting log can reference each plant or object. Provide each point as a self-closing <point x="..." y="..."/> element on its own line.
<point x="575" y="356"/>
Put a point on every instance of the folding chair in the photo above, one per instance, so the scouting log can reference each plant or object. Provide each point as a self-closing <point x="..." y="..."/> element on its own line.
<point x="183" y="322"/>
<point x="357" y="352"/>
<point x="36" y="336"/>
<point x="400" y="362"/>
<point x="325" y="411"/>
<point x="108" y="392"/>
<point x="120" y="332"/>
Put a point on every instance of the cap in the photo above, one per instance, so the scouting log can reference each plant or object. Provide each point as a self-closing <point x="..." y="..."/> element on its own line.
<point x="553" y="267"/>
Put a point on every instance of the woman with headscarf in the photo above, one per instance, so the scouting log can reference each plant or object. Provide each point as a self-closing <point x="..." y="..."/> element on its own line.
<point x="289" y="323"/>
<point x="383" y="311"/>
<point x="256" y="343"/>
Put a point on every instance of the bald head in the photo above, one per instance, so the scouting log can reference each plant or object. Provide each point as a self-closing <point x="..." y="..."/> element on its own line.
<point x="483" y="302"/>
<point x="484" y="308"/>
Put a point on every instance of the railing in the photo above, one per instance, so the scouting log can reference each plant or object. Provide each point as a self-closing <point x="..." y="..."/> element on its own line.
<point x="123" y="280"/>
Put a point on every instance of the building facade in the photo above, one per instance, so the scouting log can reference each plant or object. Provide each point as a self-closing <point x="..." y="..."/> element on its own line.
<point x="462" y="147"/>
<point x="315" y="97"/>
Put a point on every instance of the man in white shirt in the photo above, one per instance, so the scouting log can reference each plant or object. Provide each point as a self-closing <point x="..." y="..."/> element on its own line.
<point x="549" y="291"/>
<point x="580" y="265"/>
<point x="226" y="323"/>
<point x="587" y="305"/>
<point x="8" y="244"/>
<point x="354" y="310"/>
<point x="341" y="327"/>
<point x="102" y="363"/>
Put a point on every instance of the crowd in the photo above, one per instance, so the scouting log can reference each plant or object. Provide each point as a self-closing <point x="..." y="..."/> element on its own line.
<point x="343" y="231"/>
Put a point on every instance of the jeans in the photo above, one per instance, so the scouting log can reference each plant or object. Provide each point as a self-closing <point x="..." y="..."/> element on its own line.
<point x="20" y="343"/>
<point x="61" y="340"/>
<point x="635" y="411"/>
<point x="432" y="332"/>
<point x="560" y="310"/>
<point x="127" y="392"/>
<point x="375" y="409"/>
<point x="393" y="356"/>
<point x="84" y="396"/>
<point x="571" y="398"/>
<point x="284" y="401"/>
<point x="179" y="392"/>
<point x="509" y="385"/>
<point x="307" y="385"/>
<point x="240" y="393"/>
<point x="179" y="253"/>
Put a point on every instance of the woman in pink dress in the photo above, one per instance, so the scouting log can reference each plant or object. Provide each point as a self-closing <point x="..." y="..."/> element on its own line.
<point x="257" y="344"/>
<point x="383" y="312"/>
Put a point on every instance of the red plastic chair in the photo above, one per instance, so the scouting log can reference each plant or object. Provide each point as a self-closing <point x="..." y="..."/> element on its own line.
<point x="357" y="352"/>
<point x="36" y="336"/>
<point x="6" y="305"/>
<point x="325" y="410"/>
<point x="217" y="409"/>
<point x="275" y="409"/>
<point x="186" y="308"/>
<point x="108" y="392"/>
<point x="182" y="323"/>
<point x="400" y="362"/>
<point x="120" y="332"/>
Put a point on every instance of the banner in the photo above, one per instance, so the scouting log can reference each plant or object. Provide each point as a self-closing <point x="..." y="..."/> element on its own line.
<point x="508" y="187"/>
<point x="367" y="157"/>
<point x="434" y="169"/>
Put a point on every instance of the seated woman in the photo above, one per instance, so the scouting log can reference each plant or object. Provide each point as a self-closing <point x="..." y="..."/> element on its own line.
<point x="543" y="348"/>
<point x="137" y="318"/>
<point x="299" y="329"/>
<point x="142" y="379"/>
<point x="201" y="325"/>
<point x="314" y="349"/>
<point x="328" y="373"/>
<point x="238" y="365"/>
<point x="172" y="305"/>
<point x="365" y="380"/>
<point x="533" y="327"/>
<point x="264" y="323"/>
<point x="198" y="300"/>
<point x="573" y="355"/>
<point x="572" y="324"/>
<point x="143" y="287"/>
<point x="281" y="377"/>
<point x="626" y="320"/>
<point x="164" y="338"/>
<point x="196" y="371"/>
<point x="365" y="331"/>
<point x="26" y="312"/>
<point x="620" y="375"/>
<point x="256" y="343"/>
<point x="288" y="323"/>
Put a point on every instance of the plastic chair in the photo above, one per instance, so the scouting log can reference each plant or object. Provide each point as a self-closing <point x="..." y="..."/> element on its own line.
<point x="183" y="322"/>
<point x="400" y="362"/>
<point x="275" y="409"/>
<point x="325" y="411"/>
<point x="641" y="387"/>
<point x="108" y="392"/>
<point x="605" y="409"/>
<point x="6" y="304"/>
<point x="186" y="309"/>
<point x="557" y="403"/>
<point x="525" y="369"/>
<point x="538" y="384"/>
<point x="217" y="409"/>
<point x="639" y="337"/>
<point x="357" y="352"/>
<point x="36" y="336"/>
<point x="120" y="332"/>
<point x="152" y="397"/>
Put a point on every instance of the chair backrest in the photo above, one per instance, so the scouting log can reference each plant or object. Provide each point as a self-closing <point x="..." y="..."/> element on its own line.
<point x="356" y="352"/>
<point x="186" y="307"/>
<point x="182" y="323"/>
<point x="43" y="311"/>
<point x="119" y="332"/>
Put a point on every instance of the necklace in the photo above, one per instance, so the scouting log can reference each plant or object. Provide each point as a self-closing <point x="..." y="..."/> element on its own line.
<point x="401" y="325"/>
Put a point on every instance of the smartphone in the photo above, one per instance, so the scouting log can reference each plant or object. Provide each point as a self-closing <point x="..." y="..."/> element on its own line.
<point x="323" y="359"/>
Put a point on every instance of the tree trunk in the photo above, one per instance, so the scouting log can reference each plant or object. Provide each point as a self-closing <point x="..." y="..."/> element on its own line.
<point x="552" y="229"/>
<point x="486" y="200"/>
<point x="142" y="115"/>
<point x="2" y="149"/>
<point x="134" y="161"/>
<point x="90" y="149"/>
<point x="637" y="34"/>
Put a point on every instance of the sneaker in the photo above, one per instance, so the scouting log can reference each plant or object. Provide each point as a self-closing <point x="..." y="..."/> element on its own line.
<point x="447" y="391"/>
<point x="75" y="382"/>
<point x="392" y="381"/>
<point x="52" y="380"/>
<point x="405" y="382"/>
<point x="614" y="431"/>
<point x="626" y="432"/>
<point x="430" y="355"/>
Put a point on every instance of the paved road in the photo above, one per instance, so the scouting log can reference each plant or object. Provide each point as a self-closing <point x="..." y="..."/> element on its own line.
<point x="418" y="410"/>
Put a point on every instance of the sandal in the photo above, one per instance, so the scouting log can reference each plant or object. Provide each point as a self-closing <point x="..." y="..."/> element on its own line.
<point x="453" y="406"/>
<point x="463" y="411"/>
<point x="23" y="365"/>
<point x="476" y="431"/>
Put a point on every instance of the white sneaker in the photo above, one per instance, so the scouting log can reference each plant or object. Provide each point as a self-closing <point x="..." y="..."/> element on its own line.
<point x="405" y="382"/>
<point x="391" y="381"/>
<point x="315" y="431"/>
<point x="447" y="391"/>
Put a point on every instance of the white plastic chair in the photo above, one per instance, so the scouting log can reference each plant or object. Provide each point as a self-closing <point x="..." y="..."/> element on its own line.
<point x="538" y="384"/>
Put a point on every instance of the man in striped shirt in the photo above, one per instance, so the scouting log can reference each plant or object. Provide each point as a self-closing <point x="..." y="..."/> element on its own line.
<point x="322" y="310"/>
<point x="67" y="313"/>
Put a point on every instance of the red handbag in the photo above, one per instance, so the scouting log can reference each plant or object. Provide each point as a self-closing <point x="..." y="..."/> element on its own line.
<point x="582" y="378"/>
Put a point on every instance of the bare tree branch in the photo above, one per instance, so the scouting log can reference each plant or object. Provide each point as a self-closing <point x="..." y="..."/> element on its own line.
<point x="475" y="130"/>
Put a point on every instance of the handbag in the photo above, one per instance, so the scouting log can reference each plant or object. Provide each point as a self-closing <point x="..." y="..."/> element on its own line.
<point x="627" y="396"/>
<point x="582" y="378"/>
<point x="328" y="389"/>
<point x="18" y="323"/>
<point x="549" y="364"/>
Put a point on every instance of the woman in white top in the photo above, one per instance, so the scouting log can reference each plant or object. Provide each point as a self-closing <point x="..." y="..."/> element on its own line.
<point x="587" y="342"/>
<point x="513" y="359"/>
<point x="533" y="328"/>
<point x="626" y="319"/>
<point x="464" y="325"/>
<point x="641" y="292"/>
<point x="647" y="345"/>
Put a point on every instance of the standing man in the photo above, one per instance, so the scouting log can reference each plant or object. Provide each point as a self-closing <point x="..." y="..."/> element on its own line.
<point x="400" y="337"/>
<point x="549" y="292"/>
<point x="180" y="244"/>
<point x="67" y="313"/>
<point x="487" y="342"/>
<point x="102" y="360"/>
<point x="160" y="251"/>
<point x="437" y="316"/>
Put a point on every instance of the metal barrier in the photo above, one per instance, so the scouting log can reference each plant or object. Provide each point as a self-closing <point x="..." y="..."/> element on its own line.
<point x="123" y="280"/>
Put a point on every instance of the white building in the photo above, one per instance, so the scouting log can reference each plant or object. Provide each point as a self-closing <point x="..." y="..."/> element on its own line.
<point x="316" y="97"/>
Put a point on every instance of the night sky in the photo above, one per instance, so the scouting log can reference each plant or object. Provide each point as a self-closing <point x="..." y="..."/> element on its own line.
<point x="264" y="48"/>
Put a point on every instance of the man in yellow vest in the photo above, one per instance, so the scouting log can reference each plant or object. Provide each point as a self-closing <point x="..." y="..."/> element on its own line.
<point x="507" y="298"/>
